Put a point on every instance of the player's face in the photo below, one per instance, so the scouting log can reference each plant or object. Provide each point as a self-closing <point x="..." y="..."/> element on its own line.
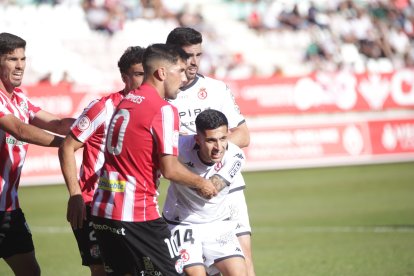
<point x="175" y="79"/>
<point x="12" y="67"/>
<point x="213" y="144"/>
<point x="134" y="77"/>
<point x="193" y="62"/>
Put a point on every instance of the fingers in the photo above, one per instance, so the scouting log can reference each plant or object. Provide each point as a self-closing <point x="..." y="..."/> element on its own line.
<point x="76" y="212"/>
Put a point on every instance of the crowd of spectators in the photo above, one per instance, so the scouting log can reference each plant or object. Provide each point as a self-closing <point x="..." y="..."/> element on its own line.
<point x="357" y="35"/>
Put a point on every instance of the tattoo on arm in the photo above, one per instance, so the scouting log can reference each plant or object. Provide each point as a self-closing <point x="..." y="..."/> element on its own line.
<point x="218" y="182"/>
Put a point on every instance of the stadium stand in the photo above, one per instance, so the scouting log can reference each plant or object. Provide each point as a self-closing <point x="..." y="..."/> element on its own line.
<point x="245" y="38"/>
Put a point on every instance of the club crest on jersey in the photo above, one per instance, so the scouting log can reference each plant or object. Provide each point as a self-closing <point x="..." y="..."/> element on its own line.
<point x="184" y="255"/>
<point x="202" y="94"/>
<point x="83" y="123"/>
<point x="24" y="106"/>
<point x="218" y="166"/>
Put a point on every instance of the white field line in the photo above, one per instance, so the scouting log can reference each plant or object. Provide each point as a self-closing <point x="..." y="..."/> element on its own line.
<point x="298" y="229"/>
<point x="335" y="229"/>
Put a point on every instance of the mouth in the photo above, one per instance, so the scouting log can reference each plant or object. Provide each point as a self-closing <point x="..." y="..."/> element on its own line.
<point x="192" y="69"/>
<point x="17" y="75"/>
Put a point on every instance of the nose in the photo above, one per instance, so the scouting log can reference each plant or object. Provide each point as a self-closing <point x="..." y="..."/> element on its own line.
<point x="20" y="64"/>
<point x="192" y="60"/>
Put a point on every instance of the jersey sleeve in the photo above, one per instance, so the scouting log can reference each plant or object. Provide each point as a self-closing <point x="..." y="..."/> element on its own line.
<point x="93" y="116"/>
<point x="3" y="109"/>
<point x="231" y="109"/>
<point x="232" y="163"/>
<point x="165" y="128"/>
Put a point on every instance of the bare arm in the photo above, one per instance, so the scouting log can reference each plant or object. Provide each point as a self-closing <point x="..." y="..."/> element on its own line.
<point x="76" y="212"/>
<point x="240" y="135"/>
<point x="28" y="133"/>
<point x="173" y="170"/>
<point x="50" y="122"/>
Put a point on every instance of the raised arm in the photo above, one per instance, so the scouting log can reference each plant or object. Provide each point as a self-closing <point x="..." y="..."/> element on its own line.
<point x="28" y="133"/>
<point x="53" y="123"/>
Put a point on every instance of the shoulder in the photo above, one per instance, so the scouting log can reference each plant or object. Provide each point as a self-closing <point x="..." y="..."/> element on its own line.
<point x="215" y="82"/>
<point x="233" y="149"/>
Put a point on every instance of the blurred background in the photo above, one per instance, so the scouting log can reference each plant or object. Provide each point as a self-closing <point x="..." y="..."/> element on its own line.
<point x="321" y="83"/>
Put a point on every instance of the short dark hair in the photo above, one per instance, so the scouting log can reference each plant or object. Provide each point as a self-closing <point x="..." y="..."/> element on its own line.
<point x="210" y="119"/>
<point x="10" y="42"/>
<point x="170" y="53"/>
<point x="132" y="55"/>
<point x="184" y="36"/>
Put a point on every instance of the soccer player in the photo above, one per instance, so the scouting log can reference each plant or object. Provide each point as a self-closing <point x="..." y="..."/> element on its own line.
<point x="200" y="93"/>
<point x="141" y="144"/>
<point x="202" y="229"/>
<point x="89" y="132"/>
<point x="21" y="123"/>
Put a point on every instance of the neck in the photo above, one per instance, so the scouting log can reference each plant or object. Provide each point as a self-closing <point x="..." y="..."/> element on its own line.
<point x="7" y="92"/>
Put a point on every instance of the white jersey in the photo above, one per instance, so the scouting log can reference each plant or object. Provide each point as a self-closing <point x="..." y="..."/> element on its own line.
<point x="205" y="93"/>
<point x="183" y="205"/>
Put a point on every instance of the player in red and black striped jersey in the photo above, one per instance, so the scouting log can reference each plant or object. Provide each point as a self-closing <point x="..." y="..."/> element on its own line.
<point x="89" y="131"/>
<point x="21" y="123"/>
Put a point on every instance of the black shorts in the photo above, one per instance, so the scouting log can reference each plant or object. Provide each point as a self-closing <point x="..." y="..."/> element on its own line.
<point x="15" y="235"/>
<point x="87" y="243"/>
<point x="135" y="247"/>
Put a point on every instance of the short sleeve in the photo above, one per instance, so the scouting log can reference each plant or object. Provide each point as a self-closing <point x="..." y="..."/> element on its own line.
<point x="165" y="128"/>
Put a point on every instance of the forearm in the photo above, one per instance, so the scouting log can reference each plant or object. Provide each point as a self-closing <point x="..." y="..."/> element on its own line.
<point x="33" y="135"/>
<point x="69" y="170"/>
<point x="240" y="136"/>
<point x="183" y="176"/>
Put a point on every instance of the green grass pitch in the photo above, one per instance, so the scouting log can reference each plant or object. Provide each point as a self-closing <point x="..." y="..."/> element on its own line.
<point x="356" y="220"/>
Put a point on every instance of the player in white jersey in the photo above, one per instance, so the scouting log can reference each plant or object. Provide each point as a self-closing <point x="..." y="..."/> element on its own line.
<point x="201" y="227"/>
<point x="201" y="93"/>
<point x="89" y="132"/>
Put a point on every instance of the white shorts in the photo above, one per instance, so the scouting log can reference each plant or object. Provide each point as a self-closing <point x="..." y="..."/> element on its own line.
<point x="206" y="244"/>
<point x="238" y="207"/>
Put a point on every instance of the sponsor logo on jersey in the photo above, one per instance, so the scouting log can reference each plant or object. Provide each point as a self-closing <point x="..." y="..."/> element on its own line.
<point x="135" y="98"/>
<point x="104" y="227"/>
<point x="13" y="141"/>
<point x="24" y="107"/>
<point x="202" y="93"/>
<point x="111" y="185"/>
<point x="83" y="123"/>
<point x="235" y="168"/>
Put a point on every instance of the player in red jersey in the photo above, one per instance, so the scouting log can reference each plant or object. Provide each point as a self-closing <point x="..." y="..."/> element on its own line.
<point x="21" y="123"/>
<point x="89" y="132"/>
<point x="141" y="145"/>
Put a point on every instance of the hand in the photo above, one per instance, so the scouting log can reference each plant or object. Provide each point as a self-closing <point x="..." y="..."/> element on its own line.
<point x="76" y="212"/>
<point x="207" y="190"/>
